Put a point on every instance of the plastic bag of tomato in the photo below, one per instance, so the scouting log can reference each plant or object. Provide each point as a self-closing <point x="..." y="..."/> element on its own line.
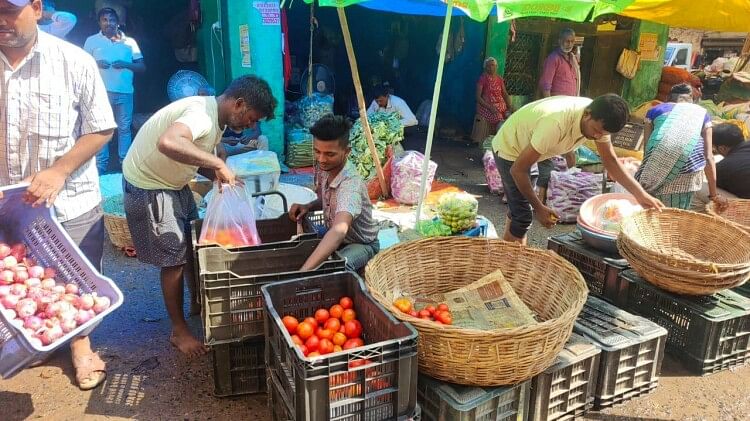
<point x="332" y="351"/>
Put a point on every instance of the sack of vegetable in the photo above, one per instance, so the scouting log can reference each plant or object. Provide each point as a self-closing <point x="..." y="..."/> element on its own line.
<point x="407" y="177"/>
<point x="458" y="210"/>
<point x="313" y="107"/>
<point x="494" y="182"/>
<point x="568" y="190"/>
<point x="299" y="148"/>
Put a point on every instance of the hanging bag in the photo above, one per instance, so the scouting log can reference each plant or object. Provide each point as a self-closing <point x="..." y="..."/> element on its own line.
<point x="628" y="63"/>
<point x="230" y="219"/>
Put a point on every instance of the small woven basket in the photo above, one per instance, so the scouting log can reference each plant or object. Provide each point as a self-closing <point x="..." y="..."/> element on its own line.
<point x="737" y="212"/>
<point x="548" y="284"/>
<point x="686" y="252"/>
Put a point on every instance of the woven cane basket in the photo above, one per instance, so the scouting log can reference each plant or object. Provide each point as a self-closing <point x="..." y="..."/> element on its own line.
<point x="686" y="252"/>
<point x="548" y="284"/>
<point x="738" y="212"/>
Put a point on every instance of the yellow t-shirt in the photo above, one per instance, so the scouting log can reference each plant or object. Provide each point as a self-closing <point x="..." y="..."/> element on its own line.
<point x="147" y="168"/>
<point x="552" y="126"/>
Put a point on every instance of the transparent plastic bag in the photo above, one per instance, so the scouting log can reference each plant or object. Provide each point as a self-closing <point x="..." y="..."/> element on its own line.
<point x="230" y="219"/>
<point x="313" y="107"/>
<point x="407" y="175"/>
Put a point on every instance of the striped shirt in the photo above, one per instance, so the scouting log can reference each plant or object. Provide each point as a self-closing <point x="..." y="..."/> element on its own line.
<point x="47" y="103"/>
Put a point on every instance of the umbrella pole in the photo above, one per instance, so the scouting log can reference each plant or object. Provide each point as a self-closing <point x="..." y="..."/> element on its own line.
<point x="361" y="100"/>
<point x="433" y="111"/>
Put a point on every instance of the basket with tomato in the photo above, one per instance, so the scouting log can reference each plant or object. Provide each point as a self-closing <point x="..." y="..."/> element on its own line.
<point x="333" y="352"/>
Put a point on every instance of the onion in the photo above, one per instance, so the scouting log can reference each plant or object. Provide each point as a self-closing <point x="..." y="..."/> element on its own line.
<point x="82" y="316"/>
<point x="6" y="277"/>
<point x="18" y="251"/>
<point x="19" y="289"/>
<point x="4" y="250"/>
<point x="35" y="293"/>
<point x="48" y="283"/>
<point x="21" y="276"/>
<point x="71" y="298"/>
<point x="10" y="314"/>
<point x="33" y="322"/>
<point x="33" y="282"/>
<point x="71" y="288"/>
<point x="100" y="304"/>
<point x="25" y="308"/>
<point x="4" y="290"/>
<point x="52" y="310"/>
<point x="68" y="324"/>
<point x="59" y="289"/>
<point x="10" y="261"/>
<point x="51" y="334"/>
<point x="36" y="272"/>
<point x="86" y="302"/>
<point x="50" y="273"/>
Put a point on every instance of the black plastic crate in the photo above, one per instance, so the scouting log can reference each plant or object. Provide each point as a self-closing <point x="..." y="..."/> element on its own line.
<point x="708" y="334"/>
<point x="599" y="269"/>
<point x="338" y="386"/>
<point x="632" y="350"/>
<point x="566" y="390"/>
<point x="230" y="282"/>
<point x="239" y="367"/>
<point x="446" y="401"/>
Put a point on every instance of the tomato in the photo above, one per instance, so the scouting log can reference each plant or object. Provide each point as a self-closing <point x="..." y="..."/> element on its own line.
<point x="444" y="317"/>
<point x="341" y="329"/>
<point x="424" y="314"/>
<point x="304" y="350"/>
<point x="325" y="347"/>
<point x="337" y="348"/>
<point x="290" y="323"/>
<point x="339" y="338"/>
<point x="322" y="315"/>
<point x="431" y="309"/>
<point x="297" y="340"/>
<point x="413" y="313"/>
<point x="311" y="321"/>
<point x="351" y="344"/>
<point x="326" y="334"/>
<point x="352" y="329"/>
<point x="332" y="324"/>
<point x="312" y="343"/>
<point x="348" y="315"/>
<point x="313" y="354"/>
<point x="336" y="310"/>
<point x="346" y="303"/>
<point x="358" y="363"/>
<point x="305" y="330"/>
<point x="403" y="304"/>
<point x="443" y="307"/>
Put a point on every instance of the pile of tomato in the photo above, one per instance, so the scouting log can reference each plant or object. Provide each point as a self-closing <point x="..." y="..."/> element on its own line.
<point x="329" y="330"/>
<point x="440" y="314"/>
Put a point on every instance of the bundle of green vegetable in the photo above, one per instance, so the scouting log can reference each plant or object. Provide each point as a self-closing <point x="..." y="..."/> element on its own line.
<point x="299" y="148"/>
<point x="313" y="107"/>
<point x="386" y="130"/>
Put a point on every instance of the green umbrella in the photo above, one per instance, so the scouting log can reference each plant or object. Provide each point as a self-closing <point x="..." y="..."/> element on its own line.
<point x="577" y="10"/>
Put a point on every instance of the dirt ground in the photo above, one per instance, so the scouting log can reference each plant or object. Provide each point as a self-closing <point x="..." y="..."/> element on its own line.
<point x="147" y="380"/>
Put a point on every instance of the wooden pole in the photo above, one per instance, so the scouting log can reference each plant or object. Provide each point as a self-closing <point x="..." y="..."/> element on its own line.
<point x="361" y="100"/>
<point x="433" y="111"/>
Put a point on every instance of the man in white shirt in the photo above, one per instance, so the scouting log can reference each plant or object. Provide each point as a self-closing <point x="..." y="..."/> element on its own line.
<point x="386" y="102"/>
<point x="118" y="57"/>
<point x="55" y="22"/>
<point x="55" y="118"/>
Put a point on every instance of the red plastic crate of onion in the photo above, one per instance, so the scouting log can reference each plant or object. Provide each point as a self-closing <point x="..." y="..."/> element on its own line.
<point x="35" y="302"/>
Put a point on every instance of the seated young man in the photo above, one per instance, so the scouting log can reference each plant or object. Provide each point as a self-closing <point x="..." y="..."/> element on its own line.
<point x="342" y="195"/>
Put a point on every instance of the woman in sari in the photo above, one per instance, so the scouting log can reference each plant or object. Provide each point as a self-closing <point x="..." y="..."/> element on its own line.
<point x="493" y="102"/>
<point x="678" y="151"/>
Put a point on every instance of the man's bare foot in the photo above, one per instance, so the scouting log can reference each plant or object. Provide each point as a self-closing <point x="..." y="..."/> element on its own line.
<point x="195" y="309"/>
<point x="187" y="343"/>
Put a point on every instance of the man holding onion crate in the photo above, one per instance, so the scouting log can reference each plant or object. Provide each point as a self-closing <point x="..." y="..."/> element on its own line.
<point x="56" y="118"/>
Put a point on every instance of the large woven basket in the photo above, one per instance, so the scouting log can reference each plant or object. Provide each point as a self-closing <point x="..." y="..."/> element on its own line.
<point x="686" y="252"/>
<point x="738" y="212"/>
<point x="548" y="284"/>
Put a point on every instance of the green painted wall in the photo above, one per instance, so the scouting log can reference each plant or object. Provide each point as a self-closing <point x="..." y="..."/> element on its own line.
<point x="265" y="58"/>
<point x="498" y="36"/>
<point x="210" y="49"/>
<point x="645" y="85"/>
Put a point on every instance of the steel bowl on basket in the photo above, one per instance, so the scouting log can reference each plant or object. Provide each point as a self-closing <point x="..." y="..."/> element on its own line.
<point x="548" y="284"/>
<point x="589" y="217"/>
<point x="604" y="242"/>
<point x="686" y="252"/>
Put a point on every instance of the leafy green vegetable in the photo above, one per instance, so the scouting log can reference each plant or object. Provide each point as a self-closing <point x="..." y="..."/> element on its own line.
<point x="386" y="130"/>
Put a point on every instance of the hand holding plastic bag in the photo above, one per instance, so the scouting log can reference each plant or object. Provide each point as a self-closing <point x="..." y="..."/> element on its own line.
<point x="230" y="219"/>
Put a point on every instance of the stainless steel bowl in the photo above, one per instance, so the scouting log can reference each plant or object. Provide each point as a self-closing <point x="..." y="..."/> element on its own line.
<point x="598" y="241"/>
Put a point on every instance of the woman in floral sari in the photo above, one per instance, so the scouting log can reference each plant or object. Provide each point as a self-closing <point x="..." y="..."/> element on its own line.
<point x="493" y="102"/>
<point x="678" y="151"/>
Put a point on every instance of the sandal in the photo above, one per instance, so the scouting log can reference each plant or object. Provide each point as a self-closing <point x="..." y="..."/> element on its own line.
<point x="90" y="371"/>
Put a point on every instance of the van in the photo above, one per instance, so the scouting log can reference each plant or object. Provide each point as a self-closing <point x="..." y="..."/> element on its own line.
<point x="679" y="55"/>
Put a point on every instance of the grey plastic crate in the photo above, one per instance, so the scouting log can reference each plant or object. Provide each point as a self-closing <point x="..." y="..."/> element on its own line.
<point x="446" y="401"/>
<point x="239" y="367"/>
<point x="632" y="351"/>
<point x="230" y="283"/>
<point x="566" y="390"/>
<point x="743" y="290"/>
<point x="600" y="270"/>
<point x="708" y="334"/>
<point x="338" y="386"/>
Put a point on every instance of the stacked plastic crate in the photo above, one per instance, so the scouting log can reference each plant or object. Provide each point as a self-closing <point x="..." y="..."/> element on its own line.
<point x="230" y="283"/>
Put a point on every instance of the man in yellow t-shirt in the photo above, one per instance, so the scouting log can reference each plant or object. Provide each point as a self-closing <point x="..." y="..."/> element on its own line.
<point x="172" y="146"/>
<point x="556" y="126"/>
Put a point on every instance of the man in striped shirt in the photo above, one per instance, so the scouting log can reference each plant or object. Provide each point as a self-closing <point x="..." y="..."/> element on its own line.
<point x="54" y="117"/>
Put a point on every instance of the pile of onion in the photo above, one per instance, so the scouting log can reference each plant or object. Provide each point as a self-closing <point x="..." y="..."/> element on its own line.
<point x="36" y="303"/>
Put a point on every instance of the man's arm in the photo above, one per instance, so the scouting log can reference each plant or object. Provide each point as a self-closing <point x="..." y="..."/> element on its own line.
<point x="408" y="118"/>
<point x="373" y="107"/>
<point x="618" y="174"/>
<point x="330" y="242"/>
<point x="177" y="144"/>
<point x="548" y="73"/>
<point x="46" y="184"/>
